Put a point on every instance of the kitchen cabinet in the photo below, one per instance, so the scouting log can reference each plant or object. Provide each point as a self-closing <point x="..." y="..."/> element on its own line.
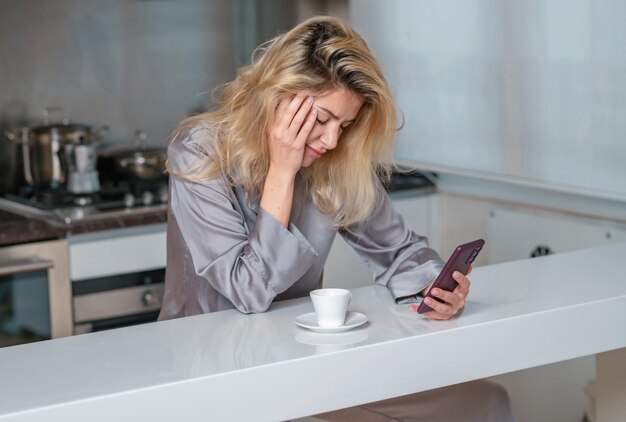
<point x="516" y="231"/>
<point x="102" y="273"/>
<point x="120" y="251"/>
<point x="523" y="233"/>
<point x="117" y="276"/>
<point x="344" y="268"/>
<point x="44" y="311"/>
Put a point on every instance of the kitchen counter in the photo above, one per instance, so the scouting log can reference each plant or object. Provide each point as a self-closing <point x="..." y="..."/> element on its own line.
<point x="120" y="222"/>
<point x="17" y="229"/>
<point x="29" y="244"/>
<point x="519" y="315"/>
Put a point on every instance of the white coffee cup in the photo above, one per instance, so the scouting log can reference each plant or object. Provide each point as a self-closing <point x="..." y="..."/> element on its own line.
<point x="330" y="306"/>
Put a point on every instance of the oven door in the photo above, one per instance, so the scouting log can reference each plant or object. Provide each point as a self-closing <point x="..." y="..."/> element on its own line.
<point x="117" y="277"/>
<point x="116" y="301"/>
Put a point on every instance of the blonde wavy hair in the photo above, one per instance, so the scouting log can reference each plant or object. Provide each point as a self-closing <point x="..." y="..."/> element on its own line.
<point x="318" y="55"/>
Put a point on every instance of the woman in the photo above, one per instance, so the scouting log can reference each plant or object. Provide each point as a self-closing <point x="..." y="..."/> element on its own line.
<point x="294" y="153"/>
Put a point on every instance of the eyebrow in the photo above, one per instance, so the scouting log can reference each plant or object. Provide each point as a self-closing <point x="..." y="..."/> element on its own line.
<point x="334" y="116"/>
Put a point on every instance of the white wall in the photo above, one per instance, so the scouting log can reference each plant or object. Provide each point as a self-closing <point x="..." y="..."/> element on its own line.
<point x="521" y="89"/>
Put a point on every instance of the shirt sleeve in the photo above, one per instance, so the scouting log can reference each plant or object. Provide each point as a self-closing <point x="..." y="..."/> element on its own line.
<point x="248" y="266"/>
<point x="398" y="257"/>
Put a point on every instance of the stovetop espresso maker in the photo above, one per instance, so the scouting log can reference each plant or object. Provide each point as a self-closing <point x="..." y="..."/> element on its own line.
<point x="82" y="176"/>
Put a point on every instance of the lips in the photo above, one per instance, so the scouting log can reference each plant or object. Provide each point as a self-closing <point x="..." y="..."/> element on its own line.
<point x="312" y="151"/>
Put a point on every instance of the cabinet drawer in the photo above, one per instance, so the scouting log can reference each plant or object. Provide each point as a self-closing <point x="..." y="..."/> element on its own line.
<point x="121" y="254"/>
<point x="118" y="302"/>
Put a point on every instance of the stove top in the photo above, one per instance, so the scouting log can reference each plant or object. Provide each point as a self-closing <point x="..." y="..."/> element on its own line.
<point x="59" y="206"/>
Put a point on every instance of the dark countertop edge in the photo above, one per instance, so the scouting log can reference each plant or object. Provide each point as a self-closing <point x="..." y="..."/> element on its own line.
<point x="20" y="238"/>
<point x="152" y="217"/>
<point x="16" y="229"/>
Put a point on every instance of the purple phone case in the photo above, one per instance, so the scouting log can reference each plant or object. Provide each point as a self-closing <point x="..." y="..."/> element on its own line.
<point x="460" y="260"/>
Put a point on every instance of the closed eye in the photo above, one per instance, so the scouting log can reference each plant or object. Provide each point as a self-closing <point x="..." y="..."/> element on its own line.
<point x="322" y="122"/>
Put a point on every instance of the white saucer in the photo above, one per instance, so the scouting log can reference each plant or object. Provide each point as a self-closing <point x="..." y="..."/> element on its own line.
<point x="353" y="319"/>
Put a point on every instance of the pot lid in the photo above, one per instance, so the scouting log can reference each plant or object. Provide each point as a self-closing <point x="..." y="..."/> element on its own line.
<point x="125" y="151"/>
<point x="62" y="127"/>
<point x="139" y="146"/>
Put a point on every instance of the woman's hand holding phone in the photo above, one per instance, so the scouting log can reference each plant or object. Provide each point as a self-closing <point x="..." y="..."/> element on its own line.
<point x="445" y="297"/>
<point x="451" y="302"/>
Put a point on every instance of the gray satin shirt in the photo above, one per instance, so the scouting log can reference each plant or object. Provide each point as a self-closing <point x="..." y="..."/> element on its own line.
<point x="224" y="251"/>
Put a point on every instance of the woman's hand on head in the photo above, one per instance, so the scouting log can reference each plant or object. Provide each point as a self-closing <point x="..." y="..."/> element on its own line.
<point x="287" y="136"/>
<point x="288" y="133"/>
<point x="453" y="302"/>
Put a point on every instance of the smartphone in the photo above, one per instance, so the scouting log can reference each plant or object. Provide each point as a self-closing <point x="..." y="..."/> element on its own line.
<point x="460" y="260"/>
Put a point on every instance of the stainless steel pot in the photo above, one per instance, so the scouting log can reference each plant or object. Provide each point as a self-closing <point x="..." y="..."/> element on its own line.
<point x="47" y="143"/>
<point x="21" y="140"/>
<point x="139" y="161"/>
<point x="43" y="148"/>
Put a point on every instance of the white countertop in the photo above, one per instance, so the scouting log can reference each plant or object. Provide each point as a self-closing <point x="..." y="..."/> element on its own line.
<point x="229" y="366"/>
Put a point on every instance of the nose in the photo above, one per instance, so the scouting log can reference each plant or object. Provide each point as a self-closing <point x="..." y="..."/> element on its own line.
<point x="330" y="137"/>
